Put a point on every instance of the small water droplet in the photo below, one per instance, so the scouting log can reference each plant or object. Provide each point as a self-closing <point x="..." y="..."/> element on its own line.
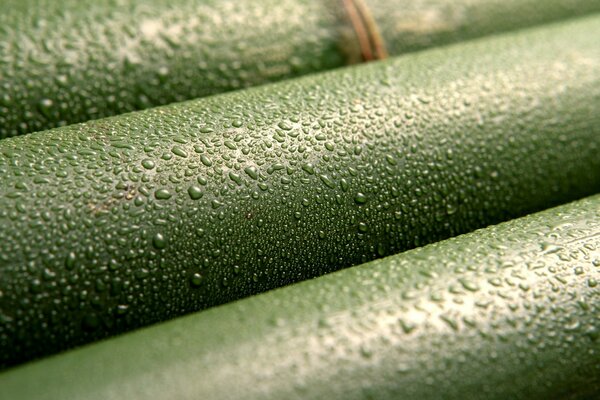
<point x="196" y="280"/>
<point x="195" y="192"/>
<point x="45" y="107"/>
<point x="159" y="241"/>
<point x="162" y="194"/>
<point x="360" y="198"/>
<point x="252" y="172"/>
<point x="407" y="327"/>
<point x="70" y="261"/>
<point x="309" y="168"/>
<point x="327" y="181"/>
<point x="235" y="177"/>
<point x="122" y="309"/>
<point x="468" y="285"/>
<point x="286" y="126"/>
<point x="148" y="164"/>
<point x="179" y="151"/>
<point x="205" y="160"/>
<point x="451" y="208"/>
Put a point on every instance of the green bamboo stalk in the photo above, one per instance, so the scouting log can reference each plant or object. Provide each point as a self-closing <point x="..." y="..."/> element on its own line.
<point x="69" y="61"/>
<point x="506" y="312"/>
<point x="119" y="223"/>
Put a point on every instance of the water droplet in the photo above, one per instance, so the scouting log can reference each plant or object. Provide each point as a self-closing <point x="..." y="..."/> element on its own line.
<point x="286" y="126"/>
<point x="48" y="274"/>
<point x="450" y="321"/>
<point x="407" y="327"/>
<point x="35" y="286"/>
<point x="360" y="198"/>
<point x="205" y="160"/>
<point x="451" y="208"/>
<point x="159" y="241"/>
<point x="309" y="168"/>
<point x="45" y="107"/>
<point x="468" y="285"/>
<point x="327" y="181"/>
<point x="70" y="261"/>
<point x="142" y="273"/>
<point x="196" y="280"/>
<point x="179" y="151"/>
<point x="148" y="164"/>
<point x="363" y="227"/>
<point x="122" y="309"/>
<point x="252" y="172"/>
<point x="391" y="160"/>
<point x="235" y="177"/>
<point x="162" y="194"/>
<point x="195" y="192"/>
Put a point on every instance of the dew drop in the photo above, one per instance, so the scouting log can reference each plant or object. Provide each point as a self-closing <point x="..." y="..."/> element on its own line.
<point x="45" y="107"/>
<point x="468" y="285"/>
<point x="162" y="194"/>
<point x="122" y="309"/>
<point x="252" y="172"/>
<point x="196" y="280"/>
<point x="179" y="151"/>
<point x="148" y="164"/>
<point x="309" y="168"/>
<point x="195" y="192"/>
<point x="159" y="241"/>
<point x="363" y="227"/>
<point x="360" y="198"/>
<point x="70" y="261"/>
<point x="285" y="125"/>
<point x="235" y="177"/>
<point x="205" y="160"/>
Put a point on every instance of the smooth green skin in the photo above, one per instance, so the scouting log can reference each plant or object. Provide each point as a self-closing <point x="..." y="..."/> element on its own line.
<point x="506" y="312"/>
<point x="70" y="61"/>
<point x="119" y="223"/>
<point x="409" y="25"/>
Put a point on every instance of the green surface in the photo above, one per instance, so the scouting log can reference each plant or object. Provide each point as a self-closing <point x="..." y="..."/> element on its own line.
<point x="506" y="312"/>
<point x="122" y="222"/>
<point x="70" y="61"/>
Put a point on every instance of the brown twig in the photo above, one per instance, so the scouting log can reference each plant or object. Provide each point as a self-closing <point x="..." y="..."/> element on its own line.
<point x="371" y="43"/>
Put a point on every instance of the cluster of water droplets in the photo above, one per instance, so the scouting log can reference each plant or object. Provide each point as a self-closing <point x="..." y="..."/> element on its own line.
<point x="72" y="62"/>
<point x="138" y="218"/>
<point x="520" y="296"/>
